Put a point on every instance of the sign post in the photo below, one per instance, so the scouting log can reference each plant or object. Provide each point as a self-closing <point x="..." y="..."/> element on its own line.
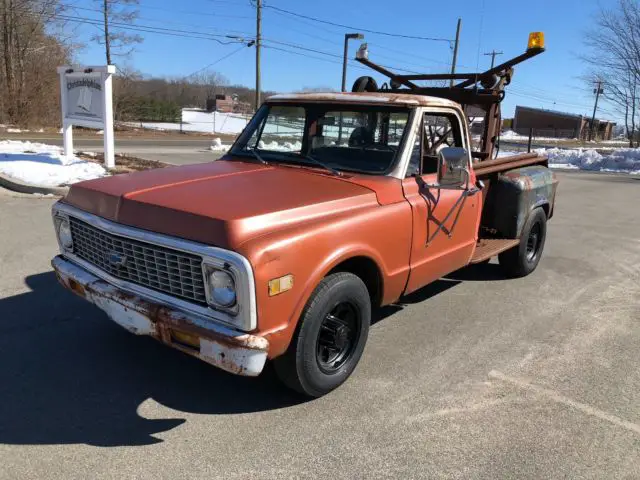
<point x="86" y="95"/>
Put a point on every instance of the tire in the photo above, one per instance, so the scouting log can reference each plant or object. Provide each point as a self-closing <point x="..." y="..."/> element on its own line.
<point x="523" y="259"/>
<point x="307" y="365"/>
<point x="365" y="84"/>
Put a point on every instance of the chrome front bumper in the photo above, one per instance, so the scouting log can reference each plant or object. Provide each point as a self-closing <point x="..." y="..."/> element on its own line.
<point x="235" y="352"/>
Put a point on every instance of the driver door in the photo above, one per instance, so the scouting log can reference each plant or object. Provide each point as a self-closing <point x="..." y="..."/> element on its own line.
<point x="445" y="220"/>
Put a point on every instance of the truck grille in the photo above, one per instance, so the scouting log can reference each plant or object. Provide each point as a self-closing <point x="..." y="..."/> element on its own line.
<point x="163" y="269"/>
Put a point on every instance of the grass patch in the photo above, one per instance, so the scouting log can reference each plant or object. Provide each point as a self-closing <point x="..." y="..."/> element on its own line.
<point x="126" y="163"/>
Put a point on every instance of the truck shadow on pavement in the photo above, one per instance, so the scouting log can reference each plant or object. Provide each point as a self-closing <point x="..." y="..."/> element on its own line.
<point x="481" y="272"/>
<point x="70" y="375"/>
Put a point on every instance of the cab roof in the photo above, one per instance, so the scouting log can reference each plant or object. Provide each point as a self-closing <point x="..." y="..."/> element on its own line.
<point x="404" y="99"/>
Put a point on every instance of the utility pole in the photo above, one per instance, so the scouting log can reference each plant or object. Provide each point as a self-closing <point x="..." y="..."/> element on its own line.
<point x="258" y="45"/>
<point x="493" y="57"/>
<point x="107" y="40"/>
<point x="347" y="37"/>
<point x="455" y="50"/>
<point x="598" y="90"/>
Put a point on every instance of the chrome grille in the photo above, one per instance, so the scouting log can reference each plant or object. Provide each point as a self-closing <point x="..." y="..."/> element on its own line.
<point x="163" y="269"/>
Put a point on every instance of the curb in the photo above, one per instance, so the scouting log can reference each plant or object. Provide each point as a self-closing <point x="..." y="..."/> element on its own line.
<point x="16" y="185"/>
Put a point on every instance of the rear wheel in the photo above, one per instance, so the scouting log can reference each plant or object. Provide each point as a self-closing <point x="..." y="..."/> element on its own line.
<point x="330" y="338"/>
<point x="523" y="259"/>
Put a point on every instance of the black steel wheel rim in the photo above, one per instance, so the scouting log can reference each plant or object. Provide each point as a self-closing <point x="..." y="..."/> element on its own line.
<point x="338" y="336"/>
<point x="533" y="242"/>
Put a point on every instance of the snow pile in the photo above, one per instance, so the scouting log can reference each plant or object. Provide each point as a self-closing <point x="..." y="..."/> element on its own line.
<point x="625" y="160"/>
<point x="276" y="147"/>
<point x="218" y="146"/>
<point x="511" y="135"/>
<point x="44" y="165"/>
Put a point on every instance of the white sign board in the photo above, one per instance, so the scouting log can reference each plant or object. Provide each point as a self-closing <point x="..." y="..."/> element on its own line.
<point x="86" y="101"/>
<point x="85" y="104"/>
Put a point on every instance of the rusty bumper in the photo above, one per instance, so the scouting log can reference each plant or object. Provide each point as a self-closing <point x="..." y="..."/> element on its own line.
<point x="233" y="351"/>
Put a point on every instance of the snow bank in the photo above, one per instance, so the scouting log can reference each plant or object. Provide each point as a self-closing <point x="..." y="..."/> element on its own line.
<point x="276" y="147"/>
<point x="218" y="146"/>
<point x="625" y="160"/>
<point x="44" y="165"/>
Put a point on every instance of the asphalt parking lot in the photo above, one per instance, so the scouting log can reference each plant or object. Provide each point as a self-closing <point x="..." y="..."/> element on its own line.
<point x="474" y="376"/>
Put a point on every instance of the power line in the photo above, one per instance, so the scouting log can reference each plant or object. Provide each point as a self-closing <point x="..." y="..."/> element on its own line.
<point x="169" y="22"/>
<point x="382" y="47"/>
<point x="230" y="2"/>
<point x="151" y="29"/>
<point x="548" y="101"/>
<point x="217" y="61"/>
<point x="400" y="52"/>
<point x="338" y="43"/>
<point x="313" y="50"/>
<point x="306" y="55"/>
<point x="350" y="27"/>
<point x="190" y="12"/>
<point x="536" y="96"/>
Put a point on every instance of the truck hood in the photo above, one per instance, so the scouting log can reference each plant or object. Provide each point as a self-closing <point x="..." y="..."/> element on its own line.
<point x="222" y="203"/>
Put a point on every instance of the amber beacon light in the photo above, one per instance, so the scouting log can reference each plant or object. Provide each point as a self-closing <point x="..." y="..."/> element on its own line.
<point x="536" y="41"/>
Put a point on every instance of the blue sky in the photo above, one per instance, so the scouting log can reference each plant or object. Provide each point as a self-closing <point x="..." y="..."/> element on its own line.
<point x="550" y="80"/>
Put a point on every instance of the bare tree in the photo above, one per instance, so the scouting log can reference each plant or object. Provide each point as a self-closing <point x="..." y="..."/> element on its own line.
<point x="126" y="88"/>
<point x="117" y="15"/>
<point x="29" y="55"/>
<point x="614" y="57"/>
<point x="208" y="84"/>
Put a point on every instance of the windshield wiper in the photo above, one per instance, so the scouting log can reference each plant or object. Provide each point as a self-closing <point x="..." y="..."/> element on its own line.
<point x="323" y="165"/>
<point x="256" y="155"/>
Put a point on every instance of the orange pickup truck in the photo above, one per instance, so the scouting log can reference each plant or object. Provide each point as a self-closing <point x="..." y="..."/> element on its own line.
<point x="326" y="207"/>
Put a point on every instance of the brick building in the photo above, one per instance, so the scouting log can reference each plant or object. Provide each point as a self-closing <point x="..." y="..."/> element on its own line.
<point x="227" y="104"/>
<point x="550" y="123"/>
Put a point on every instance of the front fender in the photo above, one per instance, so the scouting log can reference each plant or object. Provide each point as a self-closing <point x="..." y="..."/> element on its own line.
<point x="310" y="251"/>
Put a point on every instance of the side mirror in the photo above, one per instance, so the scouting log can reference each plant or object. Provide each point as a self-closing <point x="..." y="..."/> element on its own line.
<point x="452" y="167"/>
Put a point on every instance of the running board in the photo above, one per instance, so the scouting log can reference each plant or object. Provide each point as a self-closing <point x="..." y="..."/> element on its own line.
<point x="490" y="247"/>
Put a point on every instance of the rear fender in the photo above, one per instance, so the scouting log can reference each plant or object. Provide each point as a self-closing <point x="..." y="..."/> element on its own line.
<point x="513" y="197"/>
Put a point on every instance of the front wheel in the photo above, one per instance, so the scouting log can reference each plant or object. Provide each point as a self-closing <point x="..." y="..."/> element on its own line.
<point x="330" y="338"/>
<point x="523" y="259"/>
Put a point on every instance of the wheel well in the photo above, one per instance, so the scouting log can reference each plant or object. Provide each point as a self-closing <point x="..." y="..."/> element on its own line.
<point x="369" y="273"/>
<point x="545" y="207"/>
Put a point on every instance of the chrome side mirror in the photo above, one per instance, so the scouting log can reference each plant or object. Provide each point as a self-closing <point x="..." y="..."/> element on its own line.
<point x="452" y="167"/>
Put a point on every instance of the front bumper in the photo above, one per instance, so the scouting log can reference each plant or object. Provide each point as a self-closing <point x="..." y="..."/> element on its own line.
<point x="233" y="351"/>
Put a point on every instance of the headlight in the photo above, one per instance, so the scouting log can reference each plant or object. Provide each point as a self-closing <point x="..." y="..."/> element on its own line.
<point x="64" y="233"/>
<point x="222" y="289"/>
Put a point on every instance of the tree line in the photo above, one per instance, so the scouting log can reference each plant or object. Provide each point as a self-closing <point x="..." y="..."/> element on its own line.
<point x="36" y="36"/>
<point x="161" y="99"/>
<point x="31" y="47"/>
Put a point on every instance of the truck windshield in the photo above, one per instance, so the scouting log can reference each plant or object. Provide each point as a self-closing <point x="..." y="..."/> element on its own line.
<point x="351" y="138"/>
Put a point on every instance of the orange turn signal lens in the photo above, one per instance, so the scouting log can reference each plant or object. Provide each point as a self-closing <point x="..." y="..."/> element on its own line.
<point x="186" y="339"/>
<point x="280" y="285"/>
